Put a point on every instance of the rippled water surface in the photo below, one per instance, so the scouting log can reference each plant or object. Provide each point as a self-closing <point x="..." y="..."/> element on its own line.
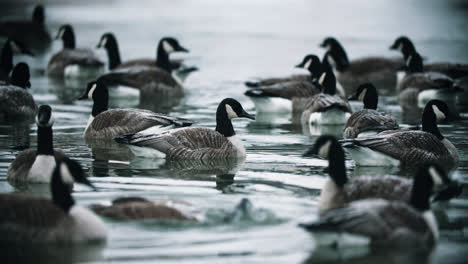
<point x="232" y="41"/>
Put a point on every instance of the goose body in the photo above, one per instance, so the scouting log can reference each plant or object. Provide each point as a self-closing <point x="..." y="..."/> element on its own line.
<point x="135" y="208"/>
<point x="420" y="87"/>
<point x="72" y="62"/>
<point x="16" y="104"/>
<point x="107" y="124"/>
<point x="377" y="70"/>
<point x="407" y="148"/>
<point x="32" y="33"/>
<point x="368" y="121"/>
<point x="29" y="219"/>
<point x="36" y="166"/>
<point x="194" y="143"/>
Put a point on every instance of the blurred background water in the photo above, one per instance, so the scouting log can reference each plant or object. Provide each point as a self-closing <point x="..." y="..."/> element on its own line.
<point x="232" y="41"/>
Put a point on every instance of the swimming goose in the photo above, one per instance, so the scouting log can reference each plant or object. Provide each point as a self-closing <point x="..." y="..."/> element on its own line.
<point x="453" y="70"/>
<point x="32" y="33"/>
<point x="194" y="142"/>
<point x="6" y="63"/>
<point x="377" y="70"/>
<point x="420" y="87"/>
<point x="16" y="103"/>
<point x="72" y="62"/>
<point x="410" y="148"/>
<point x="37" y="165"/>
<point x="166" y="46"/>
<point x="368" y="121"/>
<point x="326" y="108"/>
<point x="107" y="124"/>
<point x="385" y="222"/>
<point x="30" y="219"/>
<point x="280" y="96"/>
<point x="132" y="208"/>
<point x="339" y="190"/>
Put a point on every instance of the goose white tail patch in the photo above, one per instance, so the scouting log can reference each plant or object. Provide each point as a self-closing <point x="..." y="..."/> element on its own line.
<point x="330" y="117"/>
<point x="366" y="157"/>
<point x="435" y="176"/>
<point x="156" y="129"/>
<point x="230" y="112"/>
<point x="66" y="174"/>
<point x="439" y="114"/>
<point x="272" y="105"/>
<point x="167" y="47"/>
<point x="146" y="152"/>
<point x="324" y="150"/>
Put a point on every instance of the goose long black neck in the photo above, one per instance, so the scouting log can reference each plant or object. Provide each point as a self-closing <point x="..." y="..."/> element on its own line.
<point x="421" y="191"/>
<point x="340" y="57"/>
<point x="371" y="99"/>
<point x="61" y="192"/>
<point x="6" y="63"/>
<point x="68" y="39"/>
<point x="101" y="101"/>
<point x="336" y="164"/>
<point x="45" y="144"/>
<point x="162" y="58"/>
<point x="113" y="53"/>
<point x="429" y="122"/>
<point x="223" y="123"/>
<point x="407" y="50"/>
<point x="329" y="82"/>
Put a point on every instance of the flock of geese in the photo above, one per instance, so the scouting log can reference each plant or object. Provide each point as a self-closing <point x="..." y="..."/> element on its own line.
<point x="390" y="210"/>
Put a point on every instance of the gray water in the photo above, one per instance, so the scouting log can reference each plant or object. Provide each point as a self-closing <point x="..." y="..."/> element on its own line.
<point x="232" y="41"/>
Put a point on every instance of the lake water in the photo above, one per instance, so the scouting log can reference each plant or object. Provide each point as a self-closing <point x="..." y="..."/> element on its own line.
<point x="232" y="41"/>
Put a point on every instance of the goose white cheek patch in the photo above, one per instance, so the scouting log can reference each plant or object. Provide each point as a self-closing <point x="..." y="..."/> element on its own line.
<point x="60" y="34"/>
<point x="230" y="112"/>
<point x="167" y="47"/>
<point x="322" y="78"/>
<point x="66" y="175"/>
<point x="91" y="91"/>
<point x="439" y="114"/>
<point x="435" y="176"/>
<point x="307" y="64"/>
<point x="103" y="42"/>
<point x="331" y="61"/>
<point x="324" y="150"/>
<point x="362" y="95"/>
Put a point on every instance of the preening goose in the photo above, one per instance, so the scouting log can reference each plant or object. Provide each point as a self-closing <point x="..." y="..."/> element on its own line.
<point x="107" y="124"/>
<point x="368" y="121"/>
<point x="339" y="189"/>
<point x="387" y="223"/>
<point x="16" y="104"/>
<point x="32" y="33"/>
<point x="411" y="148"/>
<point x="37" y="165"/>
<point x="194" y="142"/>
<point x="29" y="219"/>
<point x="380" y="71"/>
<point x="72" y="62"/>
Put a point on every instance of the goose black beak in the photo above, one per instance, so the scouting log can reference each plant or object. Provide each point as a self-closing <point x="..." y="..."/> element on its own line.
<point x="181" y="49"/>
<point x="83" y="97"/>
<point x="300" y="65"/>
<point x="352" y="97"/>
<point x="247" y="115"/>
<point x="312" y="152"/>
<point x="393" y="47"/>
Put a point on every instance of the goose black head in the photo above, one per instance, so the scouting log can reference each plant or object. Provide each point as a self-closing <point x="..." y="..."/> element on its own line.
<point x="322" y="147"/>
<point x="367" y="93"/>
<point x="20" y="75"/>
<point x="107" y="40"/>
<point x="66" y="34"/>
<point x="311" y="63"/>
<point x="97" y="91"/>
<point x="38" y="16"/>
<point x="66" y="173"/>
<point x="233" y="109"/>
<point x="18" y="47"/>
<point x="443" y="187"/>
<point x="91" y="88"/>
<point x="44" y="116"/>
<point x="439" y="109"/>
<point x="170" y="44"/>
<point x="330" y="43"/>
<point x="404" y="45"/>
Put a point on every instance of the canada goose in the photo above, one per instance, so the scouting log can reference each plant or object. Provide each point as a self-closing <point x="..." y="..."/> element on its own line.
<point x="33" y="165"/>
<point x="377" y="70"/>
<point x="6" y="63"/>
<point x="368" y="121"/>
<point x="340" y="190"/>
<point x="453" y="70"/>
<point x="30" y="219"/>
<point x="420" y="87"/>
<point x="107" y="124"/>
<point x="387" y="223"/>
<point x="194" y="142"/>
<point x="166" y="46"/>
<point x="15" y="102"/>
<point x="326" y="108"/>
<point x="72" y="62"/>
<point x="410" y="148"/>
<point x="280" y="96"/>
<point x="132" y="208"/>
<point x="32" y="33"/>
